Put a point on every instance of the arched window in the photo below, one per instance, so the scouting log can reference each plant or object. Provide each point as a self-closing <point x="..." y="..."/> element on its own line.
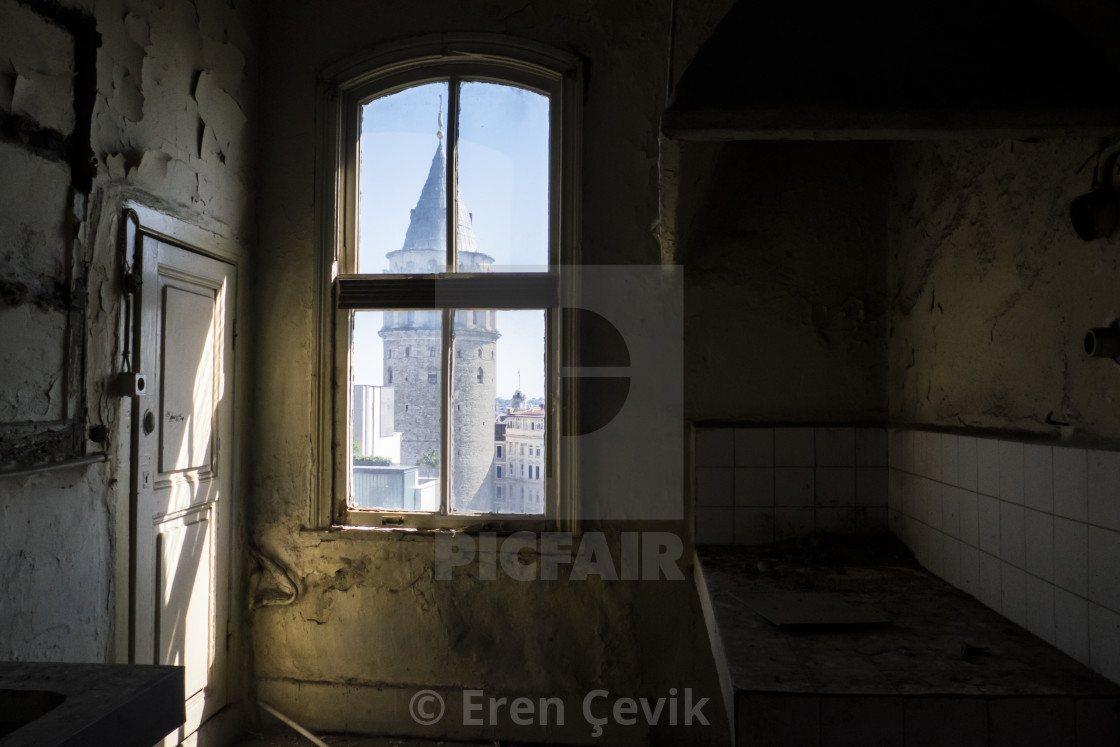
<point x="482" y="95"/>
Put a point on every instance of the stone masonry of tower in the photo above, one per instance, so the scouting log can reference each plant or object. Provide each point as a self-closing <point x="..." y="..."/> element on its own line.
<point x="412" y="351"/>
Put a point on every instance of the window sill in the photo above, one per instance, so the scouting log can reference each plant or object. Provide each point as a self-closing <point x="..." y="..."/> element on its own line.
<point x="422" y="534"/>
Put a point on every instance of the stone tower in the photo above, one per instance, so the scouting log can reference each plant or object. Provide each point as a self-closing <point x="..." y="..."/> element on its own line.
<point x="412" y="351"/>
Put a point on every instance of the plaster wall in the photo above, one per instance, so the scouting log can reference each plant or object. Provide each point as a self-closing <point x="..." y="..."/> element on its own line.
<point x="349" y="626"/>
<point x="784" y="250"/>
<point x="170" y="100"/>
<point x="992" y="292"/>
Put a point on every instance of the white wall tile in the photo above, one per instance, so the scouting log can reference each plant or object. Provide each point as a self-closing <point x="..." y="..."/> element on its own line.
<point x="714" y="526"/>
<point x="715" y="486"/>
<point x="1070" y="483"/>
<point x="950" y="459"/>
<point x="896" y="484"/>
<point x="835" y="486"/>
<point x="792" y="522"/>
<point x="934" y="514"/>
<point x="1012" y="534"/>
<point x="987" y="466"/>
<point x="1011" y="471"/>
<point x="1104" y="488"/>
<point x="934" y="544"/>
<point x="933" y="456"/>
<point x="754" y="447"/>
<point x="793" y="486"/>
<point x="754" y="526"/>
<point x="1071" y="556"/>
<point x="1104" y="641"/>
<point x="921" y="453"/>
<point x="1038" y="477"/>
<point x="870" y="518"/>
<point x="1014" y="589"/>
<point x="951" y="565"/>
<point x="969" y="517"/>
<point x="911" y="502"/>
<point x="988" y="510"/>
<point x="909" y="451"/>
<point x="970" y="570"/>
<point x="754" y="486"/>
<point x="715" y="447"/>
<point x="1071" y="624"/>
<point x="1104" y="567"/>
<point x="836" y="447"/>
<point x="909" y="532"/>
<point x="950" y="511"/>
<point x="871" y="447"/>
<point x="793" y="447"/>
<point x="895" y="439"/>
<point x="968" y="470"/>
<point x="1040" y="608"/>
<point x="895" y="519"/>
<point x="871" y="486"/>
<point x="1040" y="544"/>
<point x="834" y="519"/>
<point x="991" y="573"/>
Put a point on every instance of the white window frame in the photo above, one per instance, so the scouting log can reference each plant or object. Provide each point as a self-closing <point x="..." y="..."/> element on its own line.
<point x="343" y="89"/>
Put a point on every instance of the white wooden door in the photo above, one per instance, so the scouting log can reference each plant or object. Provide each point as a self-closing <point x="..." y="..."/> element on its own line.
<point x="182" y="453"/>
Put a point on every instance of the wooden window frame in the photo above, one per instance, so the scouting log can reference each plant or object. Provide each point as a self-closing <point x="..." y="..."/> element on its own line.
<point x="343" y="89"/>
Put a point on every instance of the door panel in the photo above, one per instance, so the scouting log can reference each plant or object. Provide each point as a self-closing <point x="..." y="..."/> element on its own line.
<point x="183" y="431"/>
<point x="187" y="387"/>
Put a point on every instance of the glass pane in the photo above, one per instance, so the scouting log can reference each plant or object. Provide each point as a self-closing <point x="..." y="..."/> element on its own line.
<point x="503" y="179"/>
<point x="402" y="178"/>
<point x="498" y="412"/>
<point x="395" y="396"/>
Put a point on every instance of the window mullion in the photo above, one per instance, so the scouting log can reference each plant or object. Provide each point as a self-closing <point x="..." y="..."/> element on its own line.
<point x="447" y="353"/>
<point x="451" y="179"/>
<point x="447" y="360"/>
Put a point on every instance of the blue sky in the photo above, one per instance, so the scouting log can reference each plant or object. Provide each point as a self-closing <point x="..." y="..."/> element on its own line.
<point x="503" y="178"/>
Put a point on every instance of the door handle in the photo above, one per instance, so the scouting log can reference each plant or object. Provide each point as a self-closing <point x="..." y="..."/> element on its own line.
<point x="149" y="422"/>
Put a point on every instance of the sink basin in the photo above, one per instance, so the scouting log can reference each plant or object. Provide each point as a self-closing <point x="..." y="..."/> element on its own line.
<point x="56" y="704"/>
<point x="19" y="707"/>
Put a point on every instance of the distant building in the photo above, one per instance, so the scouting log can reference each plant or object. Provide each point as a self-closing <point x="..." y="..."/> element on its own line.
<point x="372" y="423"/>
<point x="519" y="460"/>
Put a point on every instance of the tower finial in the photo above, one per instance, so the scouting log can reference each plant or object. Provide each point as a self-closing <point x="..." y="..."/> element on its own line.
<point x="439" y="133"/>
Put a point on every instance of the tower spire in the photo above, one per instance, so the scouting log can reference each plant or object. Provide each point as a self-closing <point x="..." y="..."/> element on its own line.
<point x="439" y="119"/>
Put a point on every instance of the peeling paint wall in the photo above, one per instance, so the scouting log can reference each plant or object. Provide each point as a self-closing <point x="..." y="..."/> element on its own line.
<point x="166" y="115"/>
<point x="370" y="626"/>
<point x="784" y="249"/>
<point x="993" y="292"/>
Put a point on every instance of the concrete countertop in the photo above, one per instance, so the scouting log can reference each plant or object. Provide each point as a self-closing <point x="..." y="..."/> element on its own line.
<point x="118" y="704"/>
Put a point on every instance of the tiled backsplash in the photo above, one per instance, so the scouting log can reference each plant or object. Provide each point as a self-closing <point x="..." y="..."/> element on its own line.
<point x="758" y="485"/>
<point x="1032" y="531"/>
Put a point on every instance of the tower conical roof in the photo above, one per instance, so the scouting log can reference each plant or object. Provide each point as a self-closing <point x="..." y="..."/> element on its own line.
<point x="427" y="228"/>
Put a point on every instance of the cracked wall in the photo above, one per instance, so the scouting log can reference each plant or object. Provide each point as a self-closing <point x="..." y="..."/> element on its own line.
<point x="150" y="101"/>
<point x="993" y="292"/>
<point x="784" y="249"/>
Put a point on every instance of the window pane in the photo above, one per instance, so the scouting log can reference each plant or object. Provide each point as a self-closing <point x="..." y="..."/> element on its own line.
<point x="402" y="192"/>
<point x="498" y="400"/>
<point x="395" y="396"/>
<point x="503" y="178"/>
